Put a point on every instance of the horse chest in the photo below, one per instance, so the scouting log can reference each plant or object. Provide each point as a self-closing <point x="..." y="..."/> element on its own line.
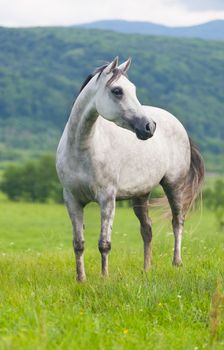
<point x="93" y="178"/>
<point x="77" y="177"/>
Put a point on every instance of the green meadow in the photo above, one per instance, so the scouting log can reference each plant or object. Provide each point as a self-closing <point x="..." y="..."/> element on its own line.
<point x="43" y="307"/>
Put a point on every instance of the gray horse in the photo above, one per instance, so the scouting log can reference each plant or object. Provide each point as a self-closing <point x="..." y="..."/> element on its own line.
<point x="99" y="158"/>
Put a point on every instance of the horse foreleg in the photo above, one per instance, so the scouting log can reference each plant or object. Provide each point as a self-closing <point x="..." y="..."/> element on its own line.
<point x="140" y="206"/>
<point x="75" y="210"/>
<point x="107" y="217"/>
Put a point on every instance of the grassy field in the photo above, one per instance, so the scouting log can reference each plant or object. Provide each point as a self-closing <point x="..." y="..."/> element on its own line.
<point x="43" y="307"/>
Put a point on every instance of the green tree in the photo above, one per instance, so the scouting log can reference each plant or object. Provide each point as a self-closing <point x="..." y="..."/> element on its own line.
<point x="34" y="181"/>
<point x="214" y="200"/>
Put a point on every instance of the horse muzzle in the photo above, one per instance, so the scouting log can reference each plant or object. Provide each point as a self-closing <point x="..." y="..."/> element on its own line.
<point x="143" y="128"/>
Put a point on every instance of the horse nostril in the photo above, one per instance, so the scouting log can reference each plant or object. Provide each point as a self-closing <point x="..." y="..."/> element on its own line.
<point x="147" y="127"/>
<point x="150" y="128"/>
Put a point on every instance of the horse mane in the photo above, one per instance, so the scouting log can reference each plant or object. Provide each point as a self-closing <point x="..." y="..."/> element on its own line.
<point x="116" y="74"/>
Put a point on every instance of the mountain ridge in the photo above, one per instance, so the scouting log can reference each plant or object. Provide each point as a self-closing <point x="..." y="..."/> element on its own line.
<point x="212" y="30"/>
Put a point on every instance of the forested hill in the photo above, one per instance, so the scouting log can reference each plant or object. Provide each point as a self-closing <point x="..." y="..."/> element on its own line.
<point x="41" y="70"/>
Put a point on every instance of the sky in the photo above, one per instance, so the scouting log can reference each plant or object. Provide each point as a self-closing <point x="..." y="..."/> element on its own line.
<point x="22" y="13"/>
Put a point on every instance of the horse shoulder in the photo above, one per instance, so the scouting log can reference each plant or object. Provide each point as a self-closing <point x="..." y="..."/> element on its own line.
<point x="175" y="139"/>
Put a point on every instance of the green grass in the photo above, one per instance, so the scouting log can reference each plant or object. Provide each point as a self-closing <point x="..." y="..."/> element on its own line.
<point x="43" y="307"/>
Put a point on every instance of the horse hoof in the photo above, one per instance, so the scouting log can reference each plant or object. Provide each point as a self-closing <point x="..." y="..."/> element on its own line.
<point x="81" y="278"/>
<point x="105" y="274"/>
<point x="177" y="263"/>
<point x="147" y="268"/>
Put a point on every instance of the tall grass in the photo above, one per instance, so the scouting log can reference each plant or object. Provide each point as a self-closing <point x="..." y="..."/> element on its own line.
<point x="43" y="307"/>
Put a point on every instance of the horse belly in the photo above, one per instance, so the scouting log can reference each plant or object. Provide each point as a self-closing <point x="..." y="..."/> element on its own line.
<point x="138" y="181"/>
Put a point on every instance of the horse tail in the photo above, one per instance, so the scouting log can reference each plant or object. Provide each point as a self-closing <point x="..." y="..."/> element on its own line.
<point x="194" y="179"/>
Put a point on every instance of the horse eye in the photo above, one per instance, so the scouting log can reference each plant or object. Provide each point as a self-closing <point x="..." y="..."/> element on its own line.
<point x="117" y="91"/>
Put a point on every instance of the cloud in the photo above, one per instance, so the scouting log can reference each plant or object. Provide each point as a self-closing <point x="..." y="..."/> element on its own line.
<point x="68" y="12"/>
<point x="203" y="5"/>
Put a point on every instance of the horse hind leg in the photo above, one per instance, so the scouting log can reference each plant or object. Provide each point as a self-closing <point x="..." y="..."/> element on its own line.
<point x="140" y="206"/>
<point x="178" y="225"/>
<point x="174" y="194"/>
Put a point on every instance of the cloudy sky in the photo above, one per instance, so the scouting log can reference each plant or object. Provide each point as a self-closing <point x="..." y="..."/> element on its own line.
<point x="67" y="12"/>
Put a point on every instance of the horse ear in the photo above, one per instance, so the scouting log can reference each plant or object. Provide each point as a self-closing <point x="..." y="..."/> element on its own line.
<point x="111" y="66"/>
<point x="125" y="66"/>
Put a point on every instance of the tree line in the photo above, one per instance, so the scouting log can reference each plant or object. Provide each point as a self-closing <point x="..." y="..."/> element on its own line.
<point x="34" y="181"/>
<point x="37" y="181"/>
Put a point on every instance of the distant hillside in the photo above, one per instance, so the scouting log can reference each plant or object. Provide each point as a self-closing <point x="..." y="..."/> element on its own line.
<point x="211" y="30"/>
<point x="41" y="70"/>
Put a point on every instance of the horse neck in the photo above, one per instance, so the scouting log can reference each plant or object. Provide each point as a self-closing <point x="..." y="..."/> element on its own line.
<point x="82" y="119"/>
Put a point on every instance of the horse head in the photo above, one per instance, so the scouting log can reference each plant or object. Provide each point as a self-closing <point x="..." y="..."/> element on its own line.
<point x="116" y="100"/>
